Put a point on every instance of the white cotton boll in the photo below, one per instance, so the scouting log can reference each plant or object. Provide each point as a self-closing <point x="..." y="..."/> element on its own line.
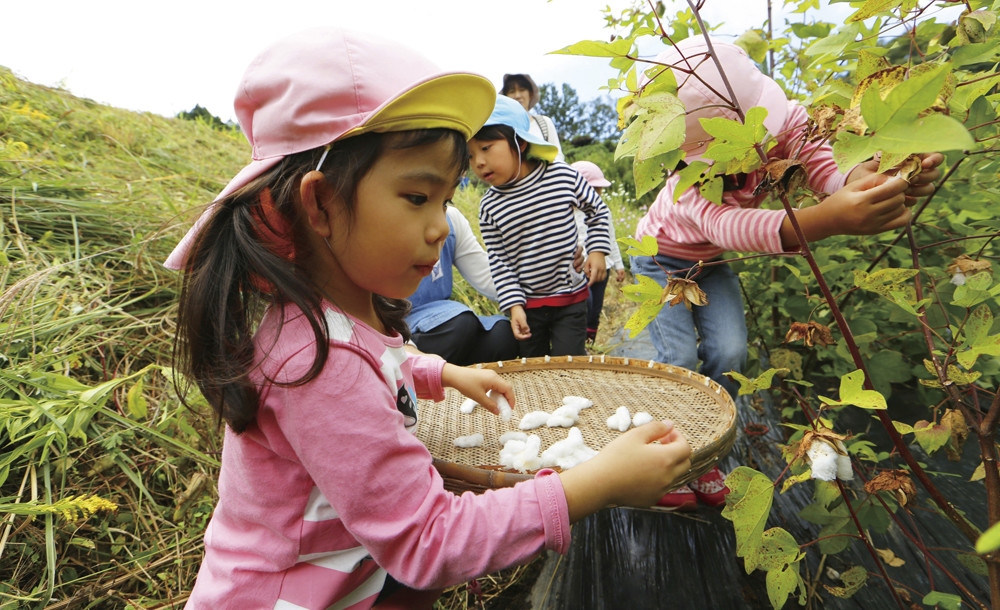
<point x="522" y="455"/>
<point x="504" y="406"/>
<point x="579" y="401"/>
<point x="532" y="420"/>
<point x="568" y="452"/>
<point x="641" y="418"/>
<point x="468" y="406"/>
<point x="563" y="417"/>
<point x="844" y="470"/>
<point x="517" y="453"/>
<point x="512" y="435"/>
<point x="621" y="420"/>
<point x="572" y="409"/>
<point x="579" y="456"/>
<point x="563" y="448"/>
<point x="823" y="460"/>
<point x="470" y="440"/>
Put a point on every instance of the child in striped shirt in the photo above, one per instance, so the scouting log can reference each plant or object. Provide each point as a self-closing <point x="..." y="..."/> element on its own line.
<point x="527" y="223"/>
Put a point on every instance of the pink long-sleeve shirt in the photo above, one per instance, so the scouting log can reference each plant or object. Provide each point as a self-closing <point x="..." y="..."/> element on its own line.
<point x="695" y="229"/>
<point x="329" y="490"/>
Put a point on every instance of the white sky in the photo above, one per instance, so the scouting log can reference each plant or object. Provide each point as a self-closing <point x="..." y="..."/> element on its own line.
<point x="166" y="57"/>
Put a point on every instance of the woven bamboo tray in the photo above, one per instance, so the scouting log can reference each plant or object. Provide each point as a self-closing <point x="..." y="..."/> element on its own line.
<point x="699" y="407"/>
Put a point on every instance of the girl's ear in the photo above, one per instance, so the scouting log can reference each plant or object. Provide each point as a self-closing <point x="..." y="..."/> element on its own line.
<point x="316" y="198"/>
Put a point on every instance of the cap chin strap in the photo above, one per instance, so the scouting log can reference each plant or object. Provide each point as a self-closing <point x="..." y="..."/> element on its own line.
<point x="518" y="173"/>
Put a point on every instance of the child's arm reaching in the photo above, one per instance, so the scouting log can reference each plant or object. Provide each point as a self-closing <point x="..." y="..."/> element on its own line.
<point x="633" y="470"/>
<point x="869" y="203"/>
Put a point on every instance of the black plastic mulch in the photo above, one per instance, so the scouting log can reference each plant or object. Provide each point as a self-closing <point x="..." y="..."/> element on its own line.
<point x="638" y="559"/>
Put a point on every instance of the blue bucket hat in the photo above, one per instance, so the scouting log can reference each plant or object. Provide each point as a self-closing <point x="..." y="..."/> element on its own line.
<point x="511" y="113"/>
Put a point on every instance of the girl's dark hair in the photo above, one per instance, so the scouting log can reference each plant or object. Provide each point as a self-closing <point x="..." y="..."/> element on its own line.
<point x="491" y="133"/>
<point x="246" y="257"/>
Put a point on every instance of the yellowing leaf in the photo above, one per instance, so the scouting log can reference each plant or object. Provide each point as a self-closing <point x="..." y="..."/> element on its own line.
<point x="761" y="382"/>
<point x="872" y="8"/>
<point x="889" y="558"/>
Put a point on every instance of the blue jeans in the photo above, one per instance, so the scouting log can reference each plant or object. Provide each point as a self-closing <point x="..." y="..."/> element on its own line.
<point x="720" y="325"/>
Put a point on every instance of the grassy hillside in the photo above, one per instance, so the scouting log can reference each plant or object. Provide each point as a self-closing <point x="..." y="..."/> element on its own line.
<point x="92" y="200"/>
<point x="106" y="482"/>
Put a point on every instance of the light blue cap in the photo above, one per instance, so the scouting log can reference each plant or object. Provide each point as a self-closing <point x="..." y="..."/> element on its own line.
<point x="511" y="113"/>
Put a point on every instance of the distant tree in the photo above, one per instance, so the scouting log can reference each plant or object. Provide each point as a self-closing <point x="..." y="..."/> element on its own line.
<point x="576" y="122"/>
<point x="199" y="113"/>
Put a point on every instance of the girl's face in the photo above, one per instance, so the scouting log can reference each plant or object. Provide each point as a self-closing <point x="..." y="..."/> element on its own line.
<point x="495" y="162"/>
<point x="394" y="236"/>
<point x="519" y="94"/>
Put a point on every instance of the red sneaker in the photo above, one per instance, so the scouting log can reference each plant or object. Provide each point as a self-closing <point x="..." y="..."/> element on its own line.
<point x="681" y="498"/>
<point x="710" y="488"/>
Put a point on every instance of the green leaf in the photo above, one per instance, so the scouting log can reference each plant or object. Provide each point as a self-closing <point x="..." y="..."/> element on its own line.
<point x="761" y="382"/>
<point x="931" y="437"/>
<point x="781" y="583"/>
<point x="884" y="281"/>
<point x="663" y="132"/>
<point x="645" y="314"/>
<point x="908" y="99"/>
<point x="975" y="563"/>
<point x="975" y="290"/>
<point x="733" y="143"/>
<point x="947" y="601"/>
<point x="934" y="132"/>
<point x="983" y="52"/>
<point x="646" y="247"/>
<point x="748" y="505"/>
<point x="649" y="174"/>
<point x="852" y="392"/>
<point x="778" y="548"/>
<point x="619" y="47"/>
<point x="689" y="176"/>
<point x="853" y="580"/>
<point x="136" y="401"/>
<point x="645" y="289"/>
<point x="851" y="149"/>
<point x="872" y="8"/>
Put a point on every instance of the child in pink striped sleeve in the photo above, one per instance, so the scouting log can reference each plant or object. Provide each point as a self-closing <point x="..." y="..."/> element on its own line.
<point x="291" y="323"/>
<point x="694" y="229"/>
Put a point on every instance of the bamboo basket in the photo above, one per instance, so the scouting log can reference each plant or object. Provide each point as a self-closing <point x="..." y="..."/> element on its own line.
<point x="699" y="407"/>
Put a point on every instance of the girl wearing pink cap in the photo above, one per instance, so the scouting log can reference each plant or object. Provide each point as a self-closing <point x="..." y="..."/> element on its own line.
<point x="695" y="229"/>
<point x="291" y="324"/>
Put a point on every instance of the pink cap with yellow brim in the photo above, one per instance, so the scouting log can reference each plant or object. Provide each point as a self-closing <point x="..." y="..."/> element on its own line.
<point x="326" y="84"/>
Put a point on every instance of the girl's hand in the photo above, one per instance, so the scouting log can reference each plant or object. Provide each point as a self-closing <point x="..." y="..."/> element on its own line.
<point x="519" y="323"/>
<point x="595" y="268"/>
<point x="922" y="184"/>
<point x="475" y="383"/>
<point x="867" y="206"/>
<point x="636" y="469"/>
<point x="620" y="275"/>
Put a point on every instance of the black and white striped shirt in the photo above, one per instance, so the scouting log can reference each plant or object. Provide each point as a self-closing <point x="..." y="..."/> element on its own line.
<point x="531" y="236"/>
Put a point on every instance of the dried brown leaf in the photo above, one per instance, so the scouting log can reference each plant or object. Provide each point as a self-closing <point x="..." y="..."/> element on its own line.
<point x="680" y="290"/>
<point x="897" y="482"/>
<point x="811" y="333"/>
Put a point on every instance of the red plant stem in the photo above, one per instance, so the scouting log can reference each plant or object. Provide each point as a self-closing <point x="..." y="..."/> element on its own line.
<point x="966" y="528"/>
<point x="868" y="545"/>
